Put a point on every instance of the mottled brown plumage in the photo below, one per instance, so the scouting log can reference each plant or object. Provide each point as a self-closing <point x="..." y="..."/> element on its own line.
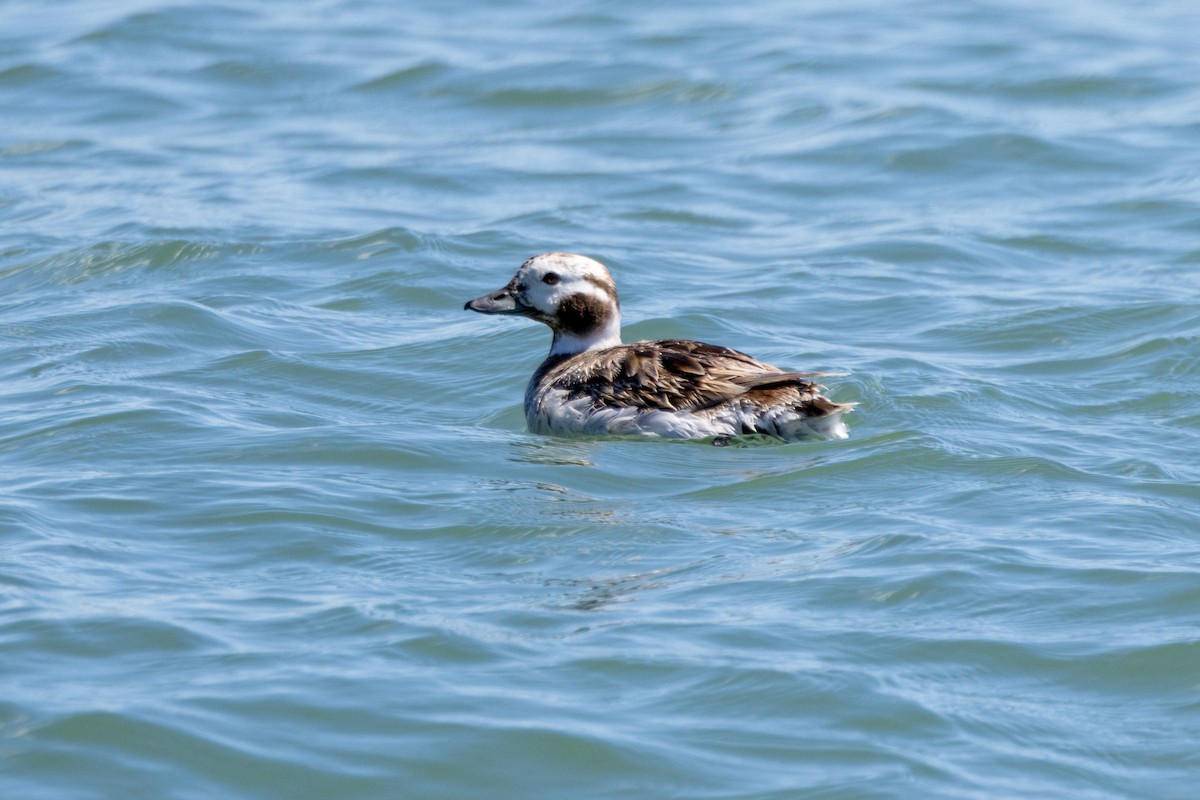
<point x="680" y="375"/>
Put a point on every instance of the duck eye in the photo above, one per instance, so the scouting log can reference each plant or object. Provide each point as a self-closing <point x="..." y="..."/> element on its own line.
<point x="550" y="278"/>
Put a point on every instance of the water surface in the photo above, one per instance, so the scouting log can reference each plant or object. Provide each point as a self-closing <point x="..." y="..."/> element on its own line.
<point x="272" y="526"/>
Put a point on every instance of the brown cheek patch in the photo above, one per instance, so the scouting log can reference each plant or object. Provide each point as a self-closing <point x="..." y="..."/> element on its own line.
<point x="581" y="313"/>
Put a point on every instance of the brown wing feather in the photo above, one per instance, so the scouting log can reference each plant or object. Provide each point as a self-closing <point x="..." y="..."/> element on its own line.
<point x="677" y="375"/>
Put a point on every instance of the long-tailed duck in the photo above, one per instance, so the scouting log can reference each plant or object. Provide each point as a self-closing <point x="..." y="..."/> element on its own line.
<point x="591" y="383"/>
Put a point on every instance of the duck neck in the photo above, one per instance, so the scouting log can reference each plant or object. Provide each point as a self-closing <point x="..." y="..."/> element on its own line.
<point x="605" y="334"/>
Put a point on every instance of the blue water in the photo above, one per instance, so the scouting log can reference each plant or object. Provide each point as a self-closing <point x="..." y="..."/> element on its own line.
<point x="271" y="525"/>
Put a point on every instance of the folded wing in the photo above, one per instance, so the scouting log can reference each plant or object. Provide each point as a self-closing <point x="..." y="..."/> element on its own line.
<point x="679" y="375"/>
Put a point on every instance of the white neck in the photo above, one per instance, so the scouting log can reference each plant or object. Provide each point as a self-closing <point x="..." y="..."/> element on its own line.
<point x="607" y="335"/>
